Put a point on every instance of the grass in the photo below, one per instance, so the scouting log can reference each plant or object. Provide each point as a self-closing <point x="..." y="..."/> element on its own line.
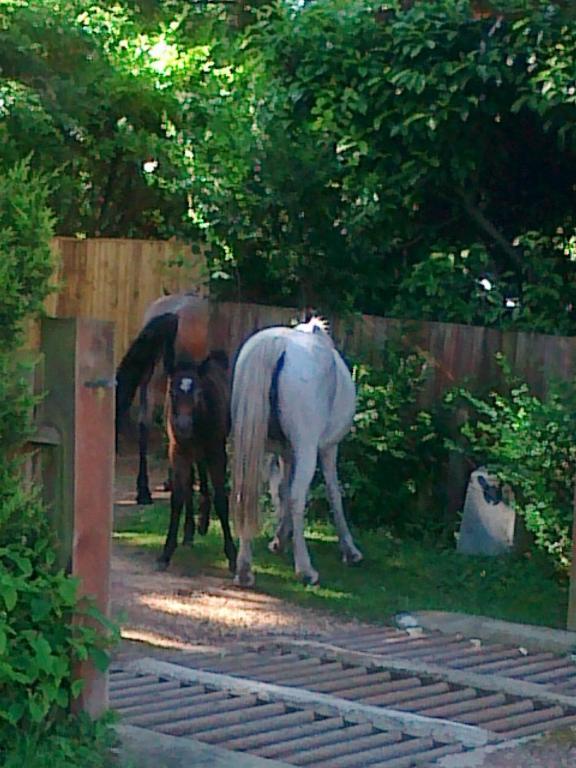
<point x="395" y="575"/>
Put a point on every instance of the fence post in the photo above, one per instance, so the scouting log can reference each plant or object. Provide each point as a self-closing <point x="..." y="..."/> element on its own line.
<point x="79" y="404"/>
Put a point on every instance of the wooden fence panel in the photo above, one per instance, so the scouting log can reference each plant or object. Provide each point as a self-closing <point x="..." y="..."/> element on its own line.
<point x="114" y="279"/>
<point x="457" y="354"/>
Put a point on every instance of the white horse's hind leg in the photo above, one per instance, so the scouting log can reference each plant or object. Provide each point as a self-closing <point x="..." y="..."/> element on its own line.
<point x="244" y="576"/>
<point x="279" y="478"/>
<point x="304" y="468"/>
<point x="350" y="552"/>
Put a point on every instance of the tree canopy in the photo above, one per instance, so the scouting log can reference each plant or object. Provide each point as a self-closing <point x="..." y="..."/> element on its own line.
<point x="414" y="159"/>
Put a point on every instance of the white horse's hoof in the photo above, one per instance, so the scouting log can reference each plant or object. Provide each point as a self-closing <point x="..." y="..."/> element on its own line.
<point x="244" y="579"/>
<point x="311" y="578"/>
<point x="352" y="556"/>
<point x="275" y="546"/>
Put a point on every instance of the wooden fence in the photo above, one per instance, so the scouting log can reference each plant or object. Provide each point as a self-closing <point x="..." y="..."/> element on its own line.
<point x="113" y="279"/>
<point x="456" y="354"/>
<point x="108" y="279"/>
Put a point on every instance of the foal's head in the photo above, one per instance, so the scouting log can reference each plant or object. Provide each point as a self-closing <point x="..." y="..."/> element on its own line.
<point x="186" y="400"/>
<point x="198" y="396"/>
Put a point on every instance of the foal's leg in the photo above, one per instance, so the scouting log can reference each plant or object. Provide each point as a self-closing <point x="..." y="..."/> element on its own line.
<point x="304" y="468"/>
<point x="280" y="490"/>
<point x="204" y="517"/>
<point x="189" y="522"/>
<point x="143" y="495"/>
<point x="350" y="552"/>
<point x="181" y="493"/>
<point x="167" y="484"/>
<point x="217" y="470"/>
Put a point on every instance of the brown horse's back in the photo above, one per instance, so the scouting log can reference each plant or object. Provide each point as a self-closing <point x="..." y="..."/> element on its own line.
<point x="192" y="340"/>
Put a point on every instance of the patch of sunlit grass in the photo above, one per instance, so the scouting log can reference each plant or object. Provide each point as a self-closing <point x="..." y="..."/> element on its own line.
<point x="137" y="539"/>
<point x="321" y="532"/>
<point x="394" y="576"/>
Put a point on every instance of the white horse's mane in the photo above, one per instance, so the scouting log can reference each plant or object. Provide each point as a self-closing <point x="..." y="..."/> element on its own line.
<point x="314" y="325"/>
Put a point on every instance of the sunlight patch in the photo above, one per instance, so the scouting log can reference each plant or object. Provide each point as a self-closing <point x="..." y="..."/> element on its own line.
<point x="226" y="610"/>
<point x="317" y="534"/>
<point x="137" y="635"/>
<point x="139" y="539"/>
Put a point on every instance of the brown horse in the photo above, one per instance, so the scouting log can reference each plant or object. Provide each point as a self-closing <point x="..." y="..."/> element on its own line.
<point x="191" y="341"/>
<point x="197" y="410"/>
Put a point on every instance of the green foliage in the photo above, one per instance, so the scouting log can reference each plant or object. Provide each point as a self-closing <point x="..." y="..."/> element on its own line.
<point x="528" y="443"/>
<point x="333" y="153"/>
<point x="89" y="89"/>
<point x="446" y="287"/>
<point x="461" y="286"/>
<point x="547" y="297"/>
<point x="25" y="258"/>
<point x="387" y="137"/>
<point x="391" y="464"/>
<point x="40" y="637"/>
<point x="78" y="742"/>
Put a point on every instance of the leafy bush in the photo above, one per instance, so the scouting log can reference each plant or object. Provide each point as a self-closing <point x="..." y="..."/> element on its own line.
<point x="390" y="465"/>
<point x="78" y="742"/>
<point x="461" y="286"/>
<point x="528" y="443"/>
<point x="26" y="263"/>
<point x="447" y="287"/>
<point x="40" y="640"/>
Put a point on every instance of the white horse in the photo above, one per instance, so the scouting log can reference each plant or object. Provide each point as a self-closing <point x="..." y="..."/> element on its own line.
<point x="292" y="394"/>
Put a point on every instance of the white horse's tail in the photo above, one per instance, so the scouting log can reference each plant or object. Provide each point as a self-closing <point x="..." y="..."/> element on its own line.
<point x="253" y="376"/>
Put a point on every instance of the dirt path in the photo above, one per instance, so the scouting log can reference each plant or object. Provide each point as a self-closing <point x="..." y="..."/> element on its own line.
<point x="174" y="610"/>
<point x="171" y="609"/>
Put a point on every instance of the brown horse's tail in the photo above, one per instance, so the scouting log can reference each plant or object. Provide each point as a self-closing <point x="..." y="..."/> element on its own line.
<point x="253" y="375"/>
<point x="156" y="339"/>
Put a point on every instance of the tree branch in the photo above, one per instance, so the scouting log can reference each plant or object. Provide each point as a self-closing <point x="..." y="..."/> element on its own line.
<point x="490" y="229"/>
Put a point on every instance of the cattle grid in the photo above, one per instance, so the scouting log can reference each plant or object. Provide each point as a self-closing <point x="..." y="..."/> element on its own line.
<point x="382" y="698"/>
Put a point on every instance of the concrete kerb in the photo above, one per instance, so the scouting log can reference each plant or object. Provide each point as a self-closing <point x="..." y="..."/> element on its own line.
<point x="142" y="748"/>
<point x="415" y="725"/>
<point x="527" y="636"/>
<point x="481" y="757"/>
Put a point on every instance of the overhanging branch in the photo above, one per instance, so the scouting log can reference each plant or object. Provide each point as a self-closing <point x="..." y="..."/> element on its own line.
<point x="490" y="229"/>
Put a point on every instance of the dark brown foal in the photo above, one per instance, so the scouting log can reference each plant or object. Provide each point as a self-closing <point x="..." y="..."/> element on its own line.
<point x="198" y="424"/>
<point x="197" y="414"/>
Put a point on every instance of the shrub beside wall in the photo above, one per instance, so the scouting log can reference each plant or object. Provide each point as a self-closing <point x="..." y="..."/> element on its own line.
<point x="38" y="643"/>
<point x="528" y="442"/>
<point x="393" y="464"/>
